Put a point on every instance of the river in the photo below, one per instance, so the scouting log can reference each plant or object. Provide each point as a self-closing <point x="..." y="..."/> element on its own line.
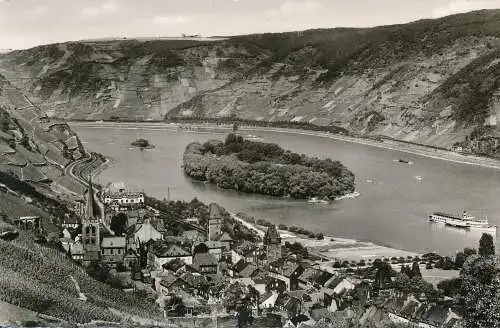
<point x="395" y="201"/>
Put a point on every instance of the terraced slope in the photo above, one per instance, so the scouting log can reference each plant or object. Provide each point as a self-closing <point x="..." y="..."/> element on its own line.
<point x="32" y="147"/>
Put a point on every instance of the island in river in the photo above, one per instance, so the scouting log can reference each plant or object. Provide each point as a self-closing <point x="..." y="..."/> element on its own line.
<point x="142" y="144"/>
<point x="265" y="168"/>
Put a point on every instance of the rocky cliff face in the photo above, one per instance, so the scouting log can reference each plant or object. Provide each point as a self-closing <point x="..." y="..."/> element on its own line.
<point x="432" y="81"/>
<point x="32" y="147"/>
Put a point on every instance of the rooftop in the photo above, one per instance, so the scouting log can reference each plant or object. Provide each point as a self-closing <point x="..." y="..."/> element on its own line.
<point x="214" y="210"/>
<point x="113" y="242"/>
<point x="204" y="259"/>
<point x="171" y="251"/>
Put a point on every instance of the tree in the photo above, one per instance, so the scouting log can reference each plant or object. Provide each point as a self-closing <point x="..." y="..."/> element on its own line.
<point x="415" y="270"/>
<point x="119" y="223"/>
<point x="450" y="287"/>
<point x="486" y="245"/>
<point x="480" y="292"/>
<point x="459" y="260"/>
<point x="469" y="251"/>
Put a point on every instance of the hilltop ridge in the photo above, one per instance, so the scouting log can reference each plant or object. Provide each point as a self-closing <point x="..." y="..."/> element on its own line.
<point x="432" y="81"/>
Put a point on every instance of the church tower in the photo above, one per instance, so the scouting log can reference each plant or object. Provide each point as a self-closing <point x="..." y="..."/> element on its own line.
<point x="272" y="243"/>
<point x="90" y="229"/>
<point x="214" y="222"/>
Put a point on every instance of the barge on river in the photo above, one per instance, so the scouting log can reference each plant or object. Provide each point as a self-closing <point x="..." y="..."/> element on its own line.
<point x="466" y="221"/>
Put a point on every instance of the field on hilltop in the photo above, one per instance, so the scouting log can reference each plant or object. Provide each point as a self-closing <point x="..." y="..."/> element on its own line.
<point x="434" y="82"/>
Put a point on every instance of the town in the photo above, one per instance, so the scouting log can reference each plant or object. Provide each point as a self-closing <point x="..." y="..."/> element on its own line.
<point x="201" y="261"/>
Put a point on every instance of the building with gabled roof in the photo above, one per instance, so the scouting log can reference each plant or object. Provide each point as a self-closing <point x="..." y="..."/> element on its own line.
<point x="205" y="263"/>
<point x="286" y="271"/>
<point x="113" y="249"/>
<point x="131" y="258"/>
<point x="159" y="254"/>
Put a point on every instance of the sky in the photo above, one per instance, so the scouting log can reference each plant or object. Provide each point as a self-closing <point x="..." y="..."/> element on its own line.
<point x="27" y="23"/>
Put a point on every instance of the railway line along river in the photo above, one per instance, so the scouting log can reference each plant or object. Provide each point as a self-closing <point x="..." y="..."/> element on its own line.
<point x="395" y="202"/>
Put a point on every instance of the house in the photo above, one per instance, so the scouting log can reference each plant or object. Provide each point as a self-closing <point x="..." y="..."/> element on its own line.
<point x="197" y="284"/>
<point x="254" y="254"/>
<point x="286" y="271"/>
<point x="144" y="232"/>
<point x="420" y="313"/>
<point x="226" y="241"/>
<point x="193" y="236"/>
<point x="243" y="269"/>
<point x="76" y="251"/>
<point x="235" y="257"/>
<point x="159" y="255"/>
<point x="205" y="263"/>
<point x="113" y="250"/>
<point x="170" y="284"/>
<point x="314" y="277"/>
<point x="215" y="248"/>
<point x="343" y="287"/>
<point x="268" y="300"/>
<point x="130" y="259"/>
<point x="70" y="221"/>
<point x="123" y="196"/>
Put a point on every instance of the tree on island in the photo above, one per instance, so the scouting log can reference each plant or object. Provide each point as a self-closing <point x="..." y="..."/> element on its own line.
<point x="119" y="223"/>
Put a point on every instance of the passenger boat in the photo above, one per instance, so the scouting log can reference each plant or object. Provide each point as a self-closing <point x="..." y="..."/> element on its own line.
<point x="253" y="138"/>
<point x="316" y="200"/>
<point x="466" y="221"/>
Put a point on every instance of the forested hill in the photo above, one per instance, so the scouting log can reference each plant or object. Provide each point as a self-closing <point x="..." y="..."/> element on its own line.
<point x="265" y="168"/>
<point x="430" y="81"/>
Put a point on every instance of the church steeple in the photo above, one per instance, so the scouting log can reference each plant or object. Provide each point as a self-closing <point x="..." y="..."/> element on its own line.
<point x="90" y="229"/>
<point x="89" y="212"/>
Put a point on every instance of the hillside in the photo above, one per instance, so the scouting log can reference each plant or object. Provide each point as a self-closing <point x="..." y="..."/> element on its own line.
<point x="32" y="147"/>
<point x="43" y="280"/>
<point x="431" y="81"/>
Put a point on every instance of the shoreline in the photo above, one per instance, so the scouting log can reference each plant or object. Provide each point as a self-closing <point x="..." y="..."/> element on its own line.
<point x="332" y="248"/>
<point x="399" y="146"/>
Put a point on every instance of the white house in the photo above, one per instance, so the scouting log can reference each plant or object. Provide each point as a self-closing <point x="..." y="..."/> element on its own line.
<point x="123" y="197"/>
<point x="269" y="302"/>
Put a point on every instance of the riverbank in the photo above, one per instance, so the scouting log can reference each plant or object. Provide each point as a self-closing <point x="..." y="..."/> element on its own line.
<point x="400" y="146"/>
<point x="333" y="248"/>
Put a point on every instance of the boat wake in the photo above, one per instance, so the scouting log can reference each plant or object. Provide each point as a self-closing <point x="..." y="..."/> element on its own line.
<point x="352" y="195"/>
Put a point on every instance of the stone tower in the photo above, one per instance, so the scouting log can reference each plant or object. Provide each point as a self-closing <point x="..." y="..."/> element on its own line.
<point x="214" y="222"/>
<point x="90" y="229"/>
<point x="272" y="243"/>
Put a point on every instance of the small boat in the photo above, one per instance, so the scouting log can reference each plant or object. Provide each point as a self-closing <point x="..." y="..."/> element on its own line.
<point x="316" y="200"/>
<point x="405" y="161"/>
<point x="418" y="177"/>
